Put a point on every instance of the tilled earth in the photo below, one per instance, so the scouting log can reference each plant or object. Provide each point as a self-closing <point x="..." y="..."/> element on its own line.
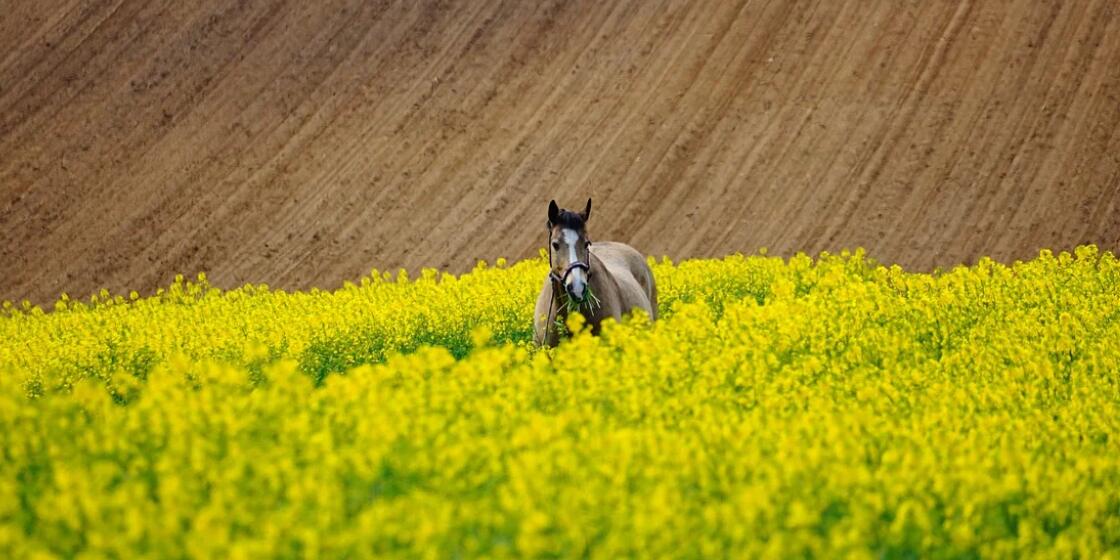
<point x="304" y="143"/>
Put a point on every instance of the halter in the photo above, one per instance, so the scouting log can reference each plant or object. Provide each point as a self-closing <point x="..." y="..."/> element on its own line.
<point x="558" y="279"/>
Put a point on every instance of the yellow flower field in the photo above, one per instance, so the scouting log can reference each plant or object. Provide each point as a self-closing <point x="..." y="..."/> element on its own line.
<point x="780" y="408"/>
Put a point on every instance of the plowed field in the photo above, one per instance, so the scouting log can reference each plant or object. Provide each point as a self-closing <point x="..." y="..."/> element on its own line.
<point x="302" y="143"/>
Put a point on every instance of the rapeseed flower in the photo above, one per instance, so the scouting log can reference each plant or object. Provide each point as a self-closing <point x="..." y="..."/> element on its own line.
<point x="803" y="407"/>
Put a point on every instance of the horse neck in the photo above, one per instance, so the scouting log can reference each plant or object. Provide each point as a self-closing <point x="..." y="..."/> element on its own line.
<point x="600" y="279"/>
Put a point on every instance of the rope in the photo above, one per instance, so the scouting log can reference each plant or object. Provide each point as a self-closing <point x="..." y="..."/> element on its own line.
<point x="551" y="276"/>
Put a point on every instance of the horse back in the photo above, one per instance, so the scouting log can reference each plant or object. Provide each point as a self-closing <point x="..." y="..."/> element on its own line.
<point x="632" y="273"/>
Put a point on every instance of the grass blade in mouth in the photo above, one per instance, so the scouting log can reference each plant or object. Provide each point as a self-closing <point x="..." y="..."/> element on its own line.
<point x="589" y="299"/>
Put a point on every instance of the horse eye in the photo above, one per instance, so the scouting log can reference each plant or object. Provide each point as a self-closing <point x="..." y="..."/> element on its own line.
<point x="555" y="244"/>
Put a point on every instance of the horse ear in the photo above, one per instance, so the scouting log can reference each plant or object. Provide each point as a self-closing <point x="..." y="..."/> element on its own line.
<point x="553" y="213"/>
<point x="586" y="211"/>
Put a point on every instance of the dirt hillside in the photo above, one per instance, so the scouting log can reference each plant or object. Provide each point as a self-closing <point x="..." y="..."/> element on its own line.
<point x="303" y="143"/>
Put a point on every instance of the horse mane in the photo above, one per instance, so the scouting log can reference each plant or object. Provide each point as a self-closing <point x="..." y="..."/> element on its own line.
<point x="570" y="220"/>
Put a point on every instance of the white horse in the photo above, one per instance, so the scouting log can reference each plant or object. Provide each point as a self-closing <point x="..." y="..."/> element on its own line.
<point x="601" y="280"/>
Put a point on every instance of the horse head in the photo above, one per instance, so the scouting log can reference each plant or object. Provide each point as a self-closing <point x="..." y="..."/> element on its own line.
<point x="569" y="250"/>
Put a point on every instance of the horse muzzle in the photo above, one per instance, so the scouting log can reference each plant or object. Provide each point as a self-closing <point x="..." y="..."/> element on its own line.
<point x="574" y="280"/>
<point x="576" y="287"/>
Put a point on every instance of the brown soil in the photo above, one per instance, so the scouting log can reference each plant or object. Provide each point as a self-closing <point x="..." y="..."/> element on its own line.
<point x="302" y="143"/>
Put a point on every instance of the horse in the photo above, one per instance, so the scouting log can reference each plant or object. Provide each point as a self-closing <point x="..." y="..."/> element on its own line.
<point x="601" y="280"/>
